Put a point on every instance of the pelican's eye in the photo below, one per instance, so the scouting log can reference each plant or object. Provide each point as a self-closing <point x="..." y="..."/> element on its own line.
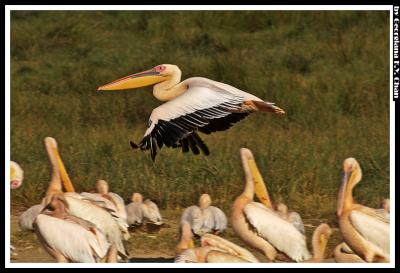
<point x="160" y="68"/>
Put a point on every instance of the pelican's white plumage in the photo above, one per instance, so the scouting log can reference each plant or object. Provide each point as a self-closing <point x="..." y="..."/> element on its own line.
<point x="280" y="233"/>
<point x="214" y="219"/>
<point x="151" y="212"/>
<point x="27" y="218"/>
<point x="195" y="104"/>
<point x="375" y="231"/>
<point x="134" y="213"/>
<point x="75" y="243"/>
<point x="114" y="229"/>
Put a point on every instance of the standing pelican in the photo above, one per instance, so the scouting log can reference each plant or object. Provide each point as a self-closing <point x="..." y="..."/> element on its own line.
<point x="260" y="226"/>
<point x="67" y="238"/>
<point x="364" y="230"/>
<point x="205" y="218"/>
<point x="195" y="104"/>
<point x="110" y="224"/>
<point x="213" y="249"/>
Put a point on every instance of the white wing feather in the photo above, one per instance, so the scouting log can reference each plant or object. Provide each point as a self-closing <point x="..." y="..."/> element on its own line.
<point x="72" y="240"/>
<point x="295" y="219"/>
<point x="372" y="229"/>
<point x="280" y="233"/>
<point x="120" y="204"/>
<point x="134" y="213"/>
<point x="103" y="220"/>
<point x="27" y="218"/>
<point x="151" y="212"/>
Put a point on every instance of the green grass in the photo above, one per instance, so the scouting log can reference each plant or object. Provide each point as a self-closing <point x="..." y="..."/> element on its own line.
<point x="329" y="71"/>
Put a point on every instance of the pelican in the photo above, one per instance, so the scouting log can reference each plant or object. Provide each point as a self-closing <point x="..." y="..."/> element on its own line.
<point x="260" y="226"/>
<point x="106" y="199"/>
<point x="205" y="218"/>
<point x="139" y="211"/>
<point x="384" y="211"/>
<point x="105" y="220"/>
<point x="213" y="249"/>
<point x="27" y="218"/>
<point x="67" y="238"/>
<point x="195" y="104"/>
<point x="16" y="175"/>
<point x="291" y="216"/>
<point x="343" y="254"/>
<point x="364" y="230"/>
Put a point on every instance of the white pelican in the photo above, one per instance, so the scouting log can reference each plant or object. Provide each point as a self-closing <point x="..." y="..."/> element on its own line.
<point x="139" y="211"/>
<point x="16" y="175"/>
<point x="364" y="230"/>
<point x="291" y="216"/>
<point x="385" y="209"/>
<point x="214" y="249"/>
<point x="27" y="218"/>
<point x="105" y="220"/>
<point x="343" y="254"/>
<point x="205" y="218"/>
<point x="67" y="238"/>
<point x="195" y="104"/>
<point x="260" y="226"/>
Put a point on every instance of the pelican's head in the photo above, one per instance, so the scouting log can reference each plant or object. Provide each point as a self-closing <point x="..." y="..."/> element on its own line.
<point x="152" y="76"/>
<point x="16" y="175"/>
<point x="352" y="175"/>
<point x="137" y="197"/>
<point x="102" y="186"/>
<point x="386" y="204"/>
<point x="204" y="201"/>
<point x="282" y="208"/>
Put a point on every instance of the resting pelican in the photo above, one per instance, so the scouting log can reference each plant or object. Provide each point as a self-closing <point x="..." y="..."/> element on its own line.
<point x="214" y="249"/>
<point x="292" y="216"/>
<point x="16" y="175"/>
<point x="343" y="254"/>
<point x="205" y="218"/>
<point x="27" y="218"/>
<point x="260" y="226"/>
<point x="67" y="238"/>
<point x="365" y="231"/>
<point x="385" y="209"/>
<point x="110" y="224"/>
<point x="139" y="211"/>
<point x="195" y="104"/>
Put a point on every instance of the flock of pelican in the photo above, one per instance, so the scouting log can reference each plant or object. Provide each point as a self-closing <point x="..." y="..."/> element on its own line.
<point x="93" y="226"/>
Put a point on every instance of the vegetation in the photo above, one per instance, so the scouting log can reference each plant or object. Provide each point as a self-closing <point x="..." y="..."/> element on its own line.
<point x="328" y="70"/>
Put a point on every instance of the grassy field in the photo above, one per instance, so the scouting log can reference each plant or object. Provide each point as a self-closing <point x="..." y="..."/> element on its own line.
<point x="328" y="70"/>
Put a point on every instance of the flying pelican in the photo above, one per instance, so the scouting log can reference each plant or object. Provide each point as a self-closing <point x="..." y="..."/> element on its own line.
<point x="67" y="238"/>
<point x="213" y="249"/>
<point x="195" y="104"/>
<point x="364" y="231"/>
<point x="260" y="226"/>
<point x="114" y="228"/>
<point x="205" y="218"/>
<point x="139" y="211"/>
<point x="16" y="175"/>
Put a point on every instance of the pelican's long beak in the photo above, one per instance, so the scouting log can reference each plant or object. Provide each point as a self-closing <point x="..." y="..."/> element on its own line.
<point x="137" y="80"/>
<point x="342" y="192"/>
<point x="63" y="173"/>
<point x="259" y="186"/>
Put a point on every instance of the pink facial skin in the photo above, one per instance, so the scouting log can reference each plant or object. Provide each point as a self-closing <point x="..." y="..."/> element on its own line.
<point x="15" y="184"/>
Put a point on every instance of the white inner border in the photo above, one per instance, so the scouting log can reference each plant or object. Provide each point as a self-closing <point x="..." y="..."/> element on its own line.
<point x="9" y="8"/>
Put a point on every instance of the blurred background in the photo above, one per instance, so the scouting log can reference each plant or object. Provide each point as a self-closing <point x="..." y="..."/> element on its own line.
<point x="329" y="70"/>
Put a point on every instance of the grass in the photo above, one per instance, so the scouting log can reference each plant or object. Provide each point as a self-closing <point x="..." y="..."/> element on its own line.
<point x="329" y="70"/>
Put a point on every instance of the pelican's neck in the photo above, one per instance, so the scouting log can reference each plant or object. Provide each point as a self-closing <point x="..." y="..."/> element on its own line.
<point x="318" y="247"/>
<point x="171" y="88"/>
<point x="55" y="185"/>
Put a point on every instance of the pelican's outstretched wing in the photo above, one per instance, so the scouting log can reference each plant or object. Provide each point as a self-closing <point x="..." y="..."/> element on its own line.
<point x="279" y="232"/>
<point x="27" y="218"/>
<point x="373" y="229"/>
<point x="73" y="241"/>
<point x="207" y="106"/>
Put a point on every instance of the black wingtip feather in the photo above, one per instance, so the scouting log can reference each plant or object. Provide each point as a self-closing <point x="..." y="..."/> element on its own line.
<point x="201" y="144"/>
<point x="133" y="145"/>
